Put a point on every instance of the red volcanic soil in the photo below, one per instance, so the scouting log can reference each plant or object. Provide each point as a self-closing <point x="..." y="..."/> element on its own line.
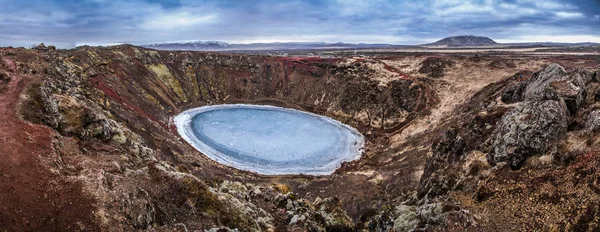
<point x="99" y="84"/>
<point x="32" y="198"/>
<point x="394" y="70"/>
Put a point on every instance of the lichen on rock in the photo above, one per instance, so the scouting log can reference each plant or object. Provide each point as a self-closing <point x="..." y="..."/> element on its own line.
<point x="407" y="218"/>
<point x="527" y="130"/>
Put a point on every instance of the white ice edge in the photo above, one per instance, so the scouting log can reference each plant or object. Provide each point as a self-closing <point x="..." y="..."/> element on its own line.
<point x="183" y="123"/>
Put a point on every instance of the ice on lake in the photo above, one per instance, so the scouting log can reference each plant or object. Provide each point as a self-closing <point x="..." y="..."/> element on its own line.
<point x="269" y="140"/>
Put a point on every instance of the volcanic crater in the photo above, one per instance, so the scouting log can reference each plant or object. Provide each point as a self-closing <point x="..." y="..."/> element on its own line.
<point x="438" y="152"/>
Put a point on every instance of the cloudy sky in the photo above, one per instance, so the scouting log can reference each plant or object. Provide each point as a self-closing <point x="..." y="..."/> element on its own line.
<point x="68" y="23"/>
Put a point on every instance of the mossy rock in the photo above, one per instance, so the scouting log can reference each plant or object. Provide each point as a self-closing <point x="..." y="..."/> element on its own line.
<point x="119" y="138"/>
<point x="407" y="218"/>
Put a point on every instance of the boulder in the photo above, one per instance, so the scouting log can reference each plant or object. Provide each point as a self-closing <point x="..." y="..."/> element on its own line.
<point x="528" y="130"/>
<point x="138" y="206"/>
<point x="51" y="115"/>
<point x="432" y="214"/>
<point x="41" y="47"/>
<point x="514" y="93"/>
<point x="554" y="83"/>
<point x="593" y="121"/>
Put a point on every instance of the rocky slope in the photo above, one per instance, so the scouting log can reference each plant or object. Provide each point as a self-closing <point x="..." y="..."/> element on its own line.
<point x="89" y="144"/>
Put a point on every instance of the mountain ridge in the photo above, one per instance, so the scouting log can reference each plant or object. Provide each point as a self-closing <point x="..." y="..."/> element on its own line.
<point x="222" y="46"/>
<point x="463" y="41"/>
<point x="452" y="41"/>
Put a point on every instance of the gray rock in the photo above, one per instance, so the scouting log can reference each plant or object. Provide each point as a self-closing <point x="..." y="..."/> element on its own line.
<point x="138" y="206"/>
<point x="514" y="93"/>
<point x="97" y="125"/>
<point x="593" y="121"/>
<point x="528" y="130"/>
<point x="431" y="214"/>
<point x="52" y="116"/>
<point x="536" y="87"/>
<point x="554" y="83"/>
<point x="297" y="218"/>
<point x="289" y="205"/>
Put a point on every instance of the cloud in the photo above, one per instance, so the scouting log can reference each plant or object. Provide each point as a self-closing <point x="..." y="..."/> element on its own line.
<point x="569" y="15"/>
<point x="67" y="23"/>
<point x="554" y="38"/>
<point x="181" y="20"/>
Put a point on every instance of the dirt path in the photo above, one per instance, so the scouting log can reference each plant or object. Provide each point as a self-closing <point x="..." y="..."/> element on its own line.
<point x="32" y="198"/>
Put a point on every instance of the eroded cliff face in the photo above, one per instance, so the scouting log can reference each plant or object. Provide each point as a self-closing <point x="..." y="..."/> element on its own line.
<point x="100" y="119"/>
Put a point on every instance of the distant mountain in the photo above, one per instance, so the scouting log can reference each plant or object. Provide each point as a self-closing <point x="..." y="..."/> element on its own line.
<point x="221" y="46"/>
<point x="464" y="41"/>
<point x="452" y="42"/>
<point x="194" y="46"/>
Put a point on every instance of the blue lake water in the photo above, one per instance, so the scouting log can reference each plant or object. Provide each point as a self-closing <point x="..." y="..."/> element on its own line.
<point x="270" y="140"/>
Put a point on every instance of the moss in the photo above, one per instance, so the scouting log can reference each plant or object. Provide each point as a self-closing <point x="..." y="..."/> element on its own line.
<point x="165" y="75"/>
<point x="34" y="107"/>
<point x="407" y="218"/>
<point x="73" y="116"/>
<point x="221" y="208"/>
<point x="119" y="138"/>
<point x="204" y="92"/>
<point x="92" y="54"/>
<point x="102" y="100"/>
<point x="116" y="52"/>
<point x="182" y="169"/>
<point x="282" y="188"/>
<point x="200" y="197"/>
<point x="189" y="72"/>
<point x="137" y="52"/>
<point x="152" y="53"/>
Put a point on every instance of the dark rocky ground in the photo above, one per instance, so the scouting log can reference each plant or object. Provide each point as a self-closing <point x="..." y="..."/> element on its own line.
<point x="454" y="142"/>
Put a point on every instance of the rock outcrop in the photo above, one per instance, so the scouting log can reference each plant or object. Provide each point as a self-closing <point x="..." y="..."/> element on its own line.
<point x="549" y="98"/>
<point x="551" y="83"/>
<point x="593" y="121"/>
<point x="527" y="130"/>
